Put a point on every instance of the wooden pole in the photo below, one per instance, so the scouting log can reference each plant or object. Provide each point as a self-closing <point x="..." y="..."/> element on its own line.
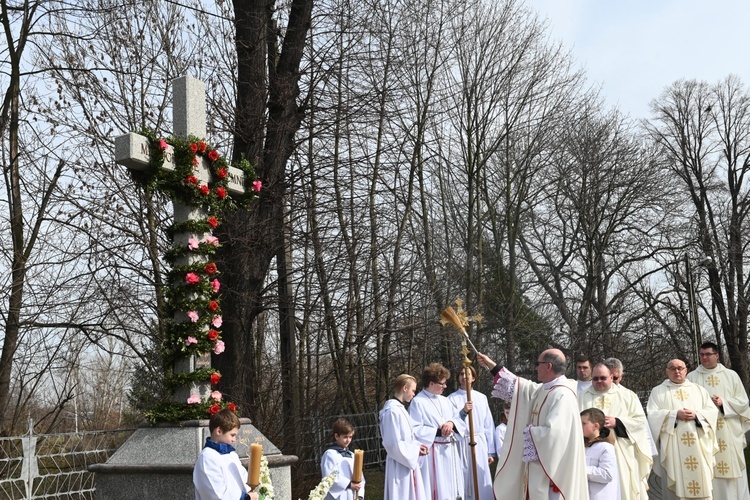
<point x="472" y="441"/>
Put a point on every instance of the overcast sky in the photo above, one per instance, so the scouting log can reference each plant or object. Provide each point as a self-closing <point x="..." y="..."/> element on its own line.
<point x="636" y="48"/>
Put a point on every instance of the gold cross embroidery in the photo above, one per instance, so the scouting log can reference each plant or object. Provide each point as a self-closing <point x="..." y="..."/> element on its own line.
<point x="693" y="488"/>
<point x="603" y="403"/>
<point x="688" y="439"/>
<point x="720" y="423"/>
<point x="722" y="468"/>
<point x="681" y="395"/>
<point x="713" y="380"/>
<point x="691" y="463"/>
<point x="722" y="445"/>
<point x="535" y="416"/>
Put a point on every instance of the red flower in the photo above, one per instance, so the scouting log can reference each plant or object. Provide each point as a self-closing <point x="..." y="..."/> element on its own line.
<point x="232" y="407"/>
<point x="204" y="190"/>
<point x="201" y="147"/>
<point x="212" y="221"/>
<point x="221" y="173"/>
<point x="210" y="268"/>
<point x="215" y="377"/>
<point x="213" y="335"/>
<point x="213" y="305"/>
<point x="193" y="147"/>
<point x="213" y="155"/>
<point x="214" y="409"/>
<point x="191" y="180"/>
<point x="221" y="193"/>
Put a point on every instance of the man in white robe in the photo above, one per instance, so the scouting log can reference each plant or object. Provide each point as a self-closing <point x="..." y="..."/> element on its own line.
<point x="625" y="418"/>
<point x="618" y="373"/>
<point x="438" y="426"/>
<point x="484" y="437"/>
<point x="729" y="396"/>
<point x="543" y="455"/>
<point x="683" y="420"/>
<point x="403" y="480"/>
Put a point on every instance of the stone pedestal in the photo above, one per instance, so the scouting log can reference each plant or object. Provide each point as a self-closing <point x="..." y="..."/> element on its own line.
<point x="157" y="462"/>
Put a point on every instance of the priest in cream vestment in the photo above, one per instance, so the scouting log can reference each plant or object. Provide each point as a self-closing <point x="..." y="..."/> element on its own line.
<point x="729" y="396"/>
<point x="625" y="418"/>
<point x="543" y="455"/>
<point x="683" y="422"/>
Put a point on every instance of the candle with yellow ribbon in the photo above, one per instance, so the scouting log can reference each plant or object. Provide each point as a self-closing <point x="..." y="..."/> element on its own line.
<point x="253" y="465"/>
<point x="359" y="458"/>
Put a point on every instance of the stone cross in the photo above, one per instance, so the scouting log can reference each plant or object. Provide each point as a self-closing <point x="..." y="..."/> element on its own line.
<point x="132" y="151"/>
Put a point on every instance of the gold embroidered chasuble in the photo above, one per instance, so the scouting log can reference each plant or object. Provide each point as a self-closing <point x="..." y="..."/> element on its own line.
<point x="686" y="450"/>
<point x="731" y="424"/>
<point x="634" y="451"/>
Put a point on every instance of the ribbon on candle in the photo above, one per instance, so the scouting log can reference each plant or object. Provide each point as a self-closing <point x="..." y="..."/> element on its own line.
<point x="359" y="458"/>
<point x="253" y="466"/>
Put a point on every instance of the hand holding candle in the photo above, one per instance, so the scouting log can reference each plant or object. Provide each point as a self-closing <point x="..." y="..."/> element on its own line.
<point x="359" y="457"/>
<point x="253" y="465"/>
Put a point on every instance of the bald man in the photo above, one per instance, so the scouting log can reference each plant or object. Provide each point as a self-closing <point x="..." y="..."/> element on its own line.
<point x="683" y="422"/>
<point x="624" y="417"/>
<point x="543" y="455"/>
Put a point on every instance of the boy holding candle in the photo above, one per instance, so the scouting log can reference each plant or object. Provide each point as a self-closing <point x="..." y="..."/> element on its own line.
<point x="350" y="483"/>
<point x="218" y="472"/>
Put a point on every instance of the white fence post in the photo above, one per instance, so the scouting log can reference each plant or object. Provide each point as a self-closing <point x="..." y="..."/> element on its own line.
<point x="29" y="467"/>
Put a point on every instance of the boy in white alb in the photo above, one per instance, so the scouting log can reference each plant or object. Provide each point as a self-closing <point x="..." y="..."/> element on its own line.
<point x="218" y="472"/>
<point x="338" y="457"/>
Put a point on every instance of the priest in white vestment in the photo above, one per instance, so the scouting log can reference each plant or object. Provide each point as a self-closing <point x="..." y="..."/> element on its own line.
<point x="729" y="396"/>
<point x="543" y="456"/>
<point x="438" y="425"/>
<point x="625" y="418"/>
<point x="403" y="480"/>
<point x="683" y="422"/>
<point x="484" y="437"/>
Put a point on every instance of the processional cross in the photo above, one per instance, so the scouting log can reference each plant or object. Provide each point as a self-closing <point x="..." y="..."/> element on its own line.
<point x="133" y="151"/>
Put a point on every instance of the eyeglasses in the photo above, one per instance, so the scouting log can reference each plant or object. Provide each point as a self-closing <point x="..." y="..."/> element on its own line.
<point x="543" y="363"/>
<point x="599" y="379"/>
<point x="443" y="384"/>
<point x="707" y="354"/>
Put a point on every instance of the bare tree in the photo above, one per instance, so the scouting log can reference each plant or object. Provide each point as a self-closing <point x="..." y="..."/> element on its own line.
<point x="704" y="130"/>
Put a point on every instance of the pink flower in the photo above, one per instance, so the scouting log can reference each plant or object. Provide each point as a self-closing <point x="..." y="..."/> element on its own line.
<point x="193" y="243"/>
<point x="216" y="396"/>
<point x="193" y="315"/>
<point x="216" y="321"/>
<point x="163" y="144"/>
<point x="192" y="278"/>
<point x="194" y="399"/>
<point x="191" y="340"/>
<point x="219" y="347"/>
<point x="212" y="240"/>
<point x="257" y="185"/>
<point x="216" y="285"/>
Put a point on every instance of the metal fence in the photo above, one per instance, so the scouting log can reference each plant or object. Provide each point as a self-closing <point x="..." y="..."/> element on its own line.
<point x="54" y="466"/>
<point x="366" y="437"/>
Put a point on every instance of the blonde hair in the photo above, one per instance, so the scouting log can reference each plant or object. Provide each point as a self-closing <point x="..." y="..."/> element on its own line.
<point x="401" y="381"/>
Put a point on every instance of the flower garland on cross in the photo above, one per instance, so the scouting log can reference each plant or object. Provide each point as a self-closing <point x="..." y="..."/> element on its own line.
<point x="193" y="288"/>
